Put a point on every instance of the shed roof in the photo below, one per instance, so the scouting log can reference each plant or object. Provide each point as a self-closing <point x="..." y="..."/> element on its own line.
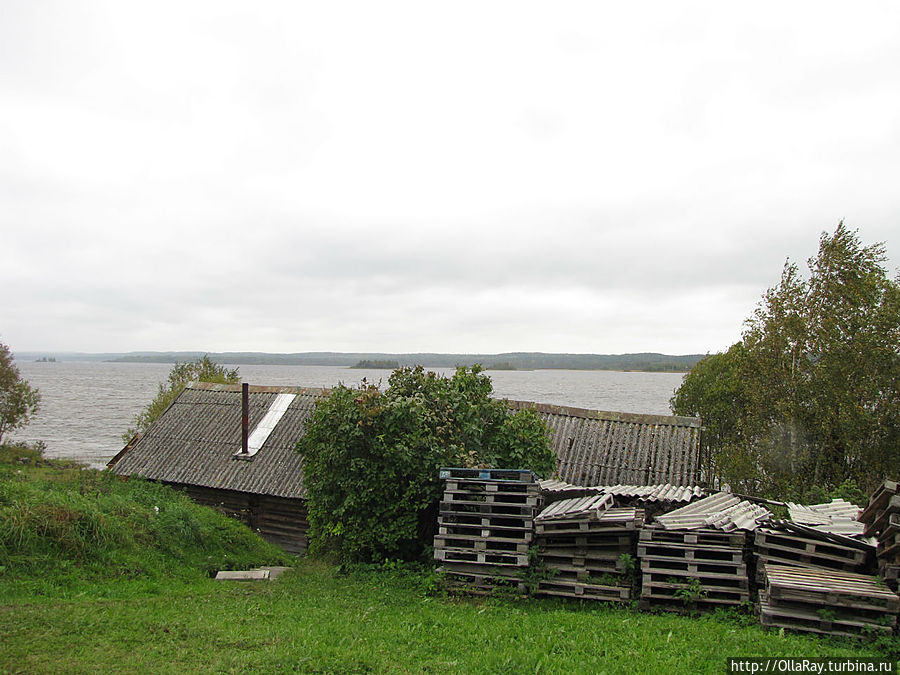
<point x="594" y="447"/>
<point x="195" y="440"/>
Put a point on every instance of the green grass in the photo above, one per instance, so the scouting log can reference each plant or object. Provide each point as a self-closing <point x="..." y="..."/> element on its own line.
<point x="74" y="603"/>
<point x="64" y="530"/>
<point x="316" y="620"/>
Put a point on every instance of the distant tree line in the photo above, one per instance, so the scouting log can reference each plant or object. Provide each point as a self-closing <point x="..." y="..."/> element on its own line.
<point x="377" y="364"/>
<point x="645" y="362"/>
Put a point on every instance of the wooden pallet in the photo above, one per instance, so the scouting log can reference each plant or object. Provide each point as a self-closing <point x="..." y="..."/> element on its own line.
<point x="692" y="568"/>
<point x="481" y="557"/>
<point x="881" y="519"/>
<point x="668" y="592"/>
<point x="891" y="574"/>
<point x="680" y="606"/>
<point x="763" y="559"/>
<point x="468" y="581"/>
<point x="489" y="544"/>
<point x="490" y="486"/>
<point x="722" y="582"/>
<point x="598" y="539"/>
<point x="694" y="552"/>
<point x="583" y="591"/>
<point x="590" y="507"/>
<point x="601" y="549"/>
<point x="486" y="520"/>
<point x="577" y="543"/>
<point x="616" y="520"/>
<point x="879" y="501"/>
<point x="505" y="533"/>
<point x="828" y="588"/>
<point x="493" y="509"/>
<point x="588" y="567"/>
<point x="810" y="621"/>
<point x="693" y="537"/>
<point x="790" y="546"/>
<point x="520" y="475"/>
<point x="492" y="498"/>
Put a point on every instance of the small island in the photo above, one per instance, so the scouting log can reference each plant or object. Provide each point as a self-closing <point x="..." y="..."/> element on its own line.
<point x="377" y="364"/>
<point x="46" y="359"/>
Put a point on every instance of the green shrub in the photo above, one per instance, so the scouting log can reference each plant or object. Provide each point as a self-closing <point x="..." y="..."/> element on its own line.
<point x="371" y="458"/>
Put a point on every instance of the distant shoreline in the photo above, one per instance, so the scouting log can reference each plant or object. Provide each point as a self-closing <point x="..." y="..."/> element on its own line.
<point x="646" y="362"/>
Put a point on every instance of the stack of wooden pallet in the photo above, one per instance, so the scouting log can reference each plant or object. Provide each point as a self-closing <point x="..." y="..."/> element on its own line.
<point x="692" y="569"/>
<point x="696" y="557"/>
<point x="588" y="546"/>
<point x="485" y="526"/>
<point x="796" y="545"/>
<point x="882" y="520"/>
<point x="826" y="601"/>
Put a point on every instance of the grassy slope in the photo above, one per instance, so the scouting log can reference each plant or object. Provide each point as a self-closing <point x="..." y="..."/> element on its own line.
<point x="67" y="606"/>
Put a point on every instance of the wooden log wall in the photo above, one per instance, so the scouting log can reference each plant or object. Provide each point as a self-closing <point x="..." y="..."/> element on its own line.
<point x="283" y="522"/>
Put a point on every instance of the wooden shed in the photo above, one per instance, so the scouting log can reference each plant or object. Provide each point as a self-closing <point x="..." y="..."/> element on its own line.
<point x="197" y="446"/>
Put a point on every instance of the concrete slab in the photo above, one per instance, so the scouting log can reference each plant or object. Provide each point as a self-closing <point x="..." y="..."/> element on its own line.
<point x="243" y="575"/>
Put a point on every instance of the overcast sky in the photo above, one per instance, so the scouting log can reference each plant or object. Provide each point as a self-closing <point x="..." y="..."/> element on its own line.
<point x="447" y="177"/>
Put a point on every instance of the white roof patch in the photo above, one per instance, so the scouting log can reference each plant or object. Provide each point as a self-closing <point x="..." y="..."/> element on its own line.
<point x="268" y="423"/>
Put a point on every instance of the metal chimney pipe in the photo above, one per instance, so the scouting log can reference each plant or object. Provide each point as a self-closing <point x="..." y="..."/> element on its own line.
<point x="245" y="417"/>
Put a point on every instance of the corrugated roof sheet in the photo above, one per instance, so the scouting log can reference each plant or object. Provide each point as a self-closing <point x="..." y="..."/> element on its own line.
<point x="656" y="493"/>
<point x="837" y="516"/>
<point x="607" y="448"/>
<point x="194" y="442"/>
<point x="722" y="511"/>
<point x="591" y="506"/>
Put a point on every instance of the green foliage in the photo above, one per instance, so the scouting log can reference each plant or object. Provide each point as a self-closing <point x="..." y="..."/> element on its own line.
<point x="691" y="592"/>
<point x="60" y="525"/>
<point x="811" y="394"/>
<point x="19" y="401"/>
<point x="371" y="458"/>
<point x="204" y="369"/>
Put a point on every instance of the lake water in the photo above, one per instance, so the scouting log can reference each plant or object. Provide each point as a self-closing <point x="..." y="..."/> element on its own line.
<point x="86" y="406"/>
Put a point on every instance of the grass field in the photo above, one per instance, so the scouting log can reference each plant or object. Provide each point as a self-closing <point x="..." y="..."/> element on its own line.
<point x="77" y="608"/>
<point x="316" y="620"/>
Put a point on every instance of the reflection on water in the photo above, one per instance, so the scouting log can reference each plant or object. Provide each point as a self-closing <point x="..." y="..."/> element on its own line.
<point x="86" y="406"/>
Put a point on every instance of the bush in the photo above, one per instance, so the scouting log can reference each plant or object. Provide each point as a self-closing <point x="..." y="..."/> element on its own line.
<point x="371" y="458"/>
